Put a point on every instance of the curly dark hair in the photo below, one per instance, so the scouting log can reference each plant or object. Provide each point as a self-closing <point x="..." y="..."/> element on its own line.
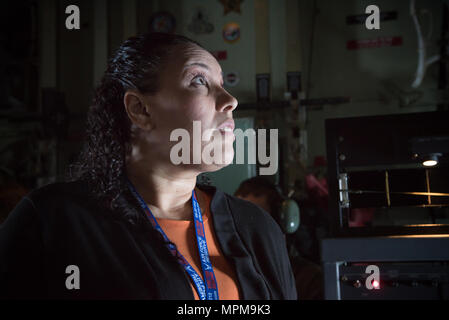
<point x="136" y="64"/>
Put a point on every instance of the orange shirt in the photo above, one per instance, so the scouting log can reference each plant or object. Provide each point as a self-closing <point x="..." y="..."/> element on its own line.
<point x="182" y="233"/>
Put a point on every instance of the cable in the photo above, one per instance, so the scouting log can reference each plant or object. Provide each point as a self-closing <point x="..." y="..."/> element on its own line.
<point x="312" y="36"/>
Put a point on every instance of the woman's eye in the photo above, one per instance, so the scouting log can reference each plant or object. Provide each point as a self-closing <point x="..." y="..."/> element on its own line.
<point x="199" y="80"/>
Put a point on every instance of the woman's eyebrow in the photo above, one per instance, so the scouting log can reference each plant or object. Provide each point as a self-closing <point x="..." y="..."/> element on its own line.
<point x="205" y="66"/>
<point x="200" y="64"/>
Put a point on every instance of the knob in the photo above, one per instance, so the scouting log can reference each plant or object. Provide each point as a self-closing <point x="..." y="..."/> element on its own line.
<point x="395" y="284"/>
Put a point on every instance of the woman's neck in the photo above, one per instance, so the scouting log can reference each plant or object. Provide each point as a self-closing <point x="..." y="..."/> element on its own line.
<point x="167" y="195"/>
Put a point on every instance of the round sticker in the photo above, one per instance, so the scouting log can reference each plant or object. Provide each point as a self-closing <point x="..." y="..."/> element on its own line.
<point x="231" y="32"/>
<point x="231" y="79"/>
<point x="162" y="22"/>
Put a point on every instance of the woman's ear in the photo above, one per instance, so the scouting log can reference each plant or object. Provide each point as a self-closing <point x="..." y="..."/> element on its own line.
<point x="137" y="110"/>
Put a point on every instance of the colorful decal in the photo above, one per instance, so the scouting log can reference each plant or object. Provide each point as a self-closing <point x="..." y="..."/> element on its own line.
<point x="361" y="18"/>
<point x="374" y="43"/>
<point x="231" y="32"/>
<point x="220" y="55"/>
<point x="162" y="22"/>
<point x="200" y="23"/>
<point x="231" y="5"/>
<point x="231" y="79"/>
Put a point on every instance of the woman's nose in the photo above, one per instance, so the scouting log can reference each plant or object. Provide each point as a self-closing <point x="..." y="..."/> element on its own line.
<point x="226" y="102"/>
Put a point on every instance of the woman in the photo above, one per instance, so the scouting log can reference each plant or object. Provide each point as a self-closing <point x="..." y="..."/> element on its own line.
<point x="130" y="223"/>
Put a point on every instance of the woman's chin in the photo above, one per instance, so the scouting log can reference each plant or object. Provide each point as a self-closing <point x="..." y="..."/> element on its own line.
<point x="218" y="164"/>
<point x="227" y="156"/>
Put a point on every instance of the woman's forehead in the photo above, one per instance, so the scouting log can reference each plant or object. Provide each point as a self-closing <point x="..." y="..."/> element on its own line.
<point x="195" y="56"/>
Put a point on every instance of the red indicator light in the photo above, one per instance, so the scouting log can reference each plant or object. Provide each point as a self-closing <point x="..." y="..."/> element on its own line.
<point x="376" y="284"/>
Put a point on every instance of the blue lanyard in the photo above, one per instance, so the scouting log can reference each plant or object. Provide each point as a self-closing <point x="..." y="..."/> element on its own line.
<point x="206" y="290"/>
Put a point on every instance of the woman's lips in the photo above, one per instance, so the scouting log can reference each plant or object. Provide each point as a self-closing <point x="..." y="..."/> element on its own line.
<point x="226" y="128"/>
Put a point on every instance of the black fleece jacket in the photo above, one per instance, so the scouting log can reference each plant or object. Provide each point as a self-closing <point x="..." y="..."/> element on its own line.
<point x="61" y="225"/>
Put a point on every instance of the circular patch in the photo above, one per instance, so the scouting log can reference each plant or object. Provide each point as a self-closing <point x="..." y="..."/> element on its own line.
<point x="162" y="22"/>
<point x="231" y="79"/>
<point x="231" y="32"/>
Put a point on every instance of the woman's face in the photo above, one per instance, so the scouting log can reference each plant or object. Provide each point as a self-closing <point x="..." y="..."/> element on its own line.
<point x="191" y="89"/>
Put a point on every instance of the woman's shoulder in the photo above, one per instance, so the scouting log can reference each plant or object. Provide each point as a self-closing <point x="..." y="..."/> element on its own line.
<point x="62" y="191"/>
<point x="61" y="199"/>
<point x="246" y="216"/>
<point x="250" y="213"/>
<point x="53" y="204"/>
